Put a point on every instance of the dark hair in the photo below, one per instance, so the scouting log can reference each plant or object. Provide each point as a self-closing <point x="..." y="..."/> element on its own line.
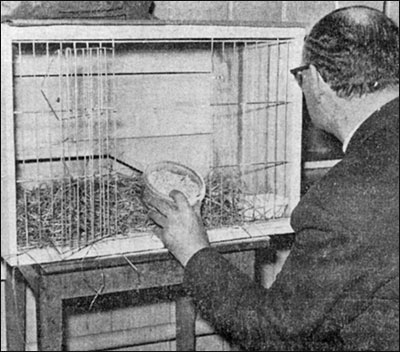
<point x="355" y="50"/>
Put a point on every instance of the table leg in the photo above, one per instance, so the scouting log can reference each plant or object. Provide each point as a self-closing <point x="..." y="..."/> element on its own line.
<point x="15" y="296"/>
<point x="185" y="324"/>
<point x="49" y="315"/>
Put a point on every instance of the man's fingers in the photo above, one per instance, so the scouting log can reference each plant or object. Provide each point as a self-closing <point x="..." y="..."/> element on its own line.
<point x="180" y="200"/>
<point x="158" y="232"/>
<point x="158" y="218"/>
<point x="197" y="209"/>
<point x="161" y="205"/>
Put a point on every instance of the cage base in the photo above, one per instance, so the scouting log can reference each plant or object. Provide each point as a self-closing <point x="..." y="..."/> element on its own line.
<point x="147" y="242"/>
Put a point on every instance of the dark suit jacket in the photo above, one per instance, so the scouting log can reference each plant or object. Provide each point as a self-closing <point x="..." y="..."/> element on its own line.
<point x="339" y="288"/>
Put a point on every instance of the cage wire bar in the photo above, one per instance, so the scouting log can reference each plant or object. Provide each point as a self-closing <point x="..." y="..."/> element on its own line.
<point x="70" y="192"/>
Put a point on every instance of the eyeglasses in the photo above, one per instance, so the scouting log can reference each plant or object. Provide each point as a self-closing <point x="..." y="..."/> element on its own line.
<point x="298" y="73"/>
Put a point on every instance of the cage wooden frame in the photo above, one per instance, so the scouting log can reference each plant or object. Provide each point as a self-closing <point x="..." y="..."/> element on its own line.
<point x="37" y="31"/>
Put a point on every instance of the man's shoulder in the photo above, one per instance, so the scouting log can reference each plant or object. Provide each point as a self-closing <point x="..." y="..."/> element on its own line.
<point x="354" y="191"/>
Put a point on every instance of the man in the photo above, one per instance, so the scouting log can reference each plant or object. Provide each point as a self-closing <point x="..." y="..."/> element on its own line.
<point x="339" y="288"/>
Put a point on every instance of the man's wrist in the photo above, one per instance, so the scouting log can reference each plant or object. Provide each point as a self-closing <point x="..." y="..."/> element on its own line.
<point x="185" y="261"/>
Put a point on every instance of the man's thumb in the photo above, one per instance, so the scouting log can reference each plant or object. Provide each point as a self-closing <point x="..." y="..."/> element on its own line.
<point x="180" y="199"/>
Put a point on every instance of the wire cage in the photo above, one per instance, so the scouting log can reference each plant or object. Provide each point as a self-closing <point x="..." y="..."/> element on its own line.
<point x="88" y="114"/>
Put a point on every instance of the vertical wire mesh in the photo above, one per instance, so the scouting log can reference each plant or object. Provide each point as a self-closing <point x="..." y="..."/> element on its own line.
<point x="261" y="119"/>
<point x="63" y="180"/>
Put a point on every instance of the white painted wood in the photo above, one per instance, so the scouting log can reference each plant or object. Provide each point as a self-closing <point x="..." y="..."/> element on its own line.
<point x="146" y="106"/>
<point x="202" y="326"/>
<point x="191" y="150"/>
<point x="269" y="272"/>
<point x="162" y="105"/>
<point x="133" y="94"/>
<point x="8" y="188"/>
<point x="392" y="10"/>
<point x="148" y="314"/>
<point x="147" y="242"/>
<point x="34" y="30"/>
<point x="31" y="327"/>
<point x="129" y="337"/>
<point x="3" y="315"/>
<point x="294" y="132"/>
<point x="270" y="228"/>
<point x="320" y="164"/>
<point x="157" y="346"/>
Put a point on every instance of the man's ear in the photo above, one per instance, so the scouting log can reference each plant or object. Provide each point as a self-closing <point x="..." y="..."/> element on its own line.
<point x="318" y="81"/>
<point x="328" y="101"/>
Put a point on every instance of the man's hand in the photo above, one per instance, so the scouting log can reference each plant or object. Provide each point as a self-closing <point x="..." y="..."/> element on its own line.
<point x="182" y="231"/>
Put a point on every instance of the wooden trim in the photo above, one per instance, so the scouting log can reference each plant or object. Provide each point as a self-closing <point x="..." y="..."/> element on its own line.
<point x="284" y="15"/>
<point x="231" y="7"/>
<point x="295" y="130"/>
<point x="15" y="299"/>
<point x="70" y="266"/>
<point x="148" y="247"/>
<point x="49" y="314"/>
<point x="320" y="164"/>
<point x="185" y="324"/>
<point x="69" y="31"/>
<point x="8" y="177"/>
<point x="113" y="22"/>
<point x="132" y="337"/>
<point x="31" y="275"/>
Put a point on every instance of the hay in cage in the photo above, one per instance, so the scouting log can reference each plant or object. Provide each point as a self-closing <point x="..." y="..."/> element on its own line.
<point x="221" y="204"/>
<point x="229" y="202"/>
<point x="77" y="212"/>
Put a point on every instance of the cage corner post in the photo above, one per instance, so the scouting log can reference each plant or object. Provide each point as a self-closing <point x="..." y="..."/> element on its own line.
<point x="15" y="305"/>
<point x="8" y="176"/>
<point x="185" y="324"/>
<point x="14" y="289"/>
<point x="295" y="131"/>
<point x="49" y="314"/>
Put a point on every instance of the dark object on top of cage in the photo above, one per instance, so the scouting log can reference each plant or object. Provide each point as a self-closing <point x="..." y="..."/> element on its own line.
<point x="138" y="10"/>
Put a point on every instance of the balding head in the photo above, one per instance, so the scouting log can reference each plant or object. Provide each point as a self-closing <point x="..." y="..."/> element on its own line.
<point x="356" y="50"/>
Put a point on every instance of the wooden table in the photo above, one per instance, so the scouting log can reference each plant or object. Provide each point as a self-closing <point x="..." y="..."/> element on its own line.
<point x="53" y="283"/>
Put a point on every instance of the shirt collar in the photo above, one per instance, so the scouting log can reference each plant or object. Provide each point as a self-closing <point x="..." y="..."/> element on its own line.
<point x="349" y="136"/>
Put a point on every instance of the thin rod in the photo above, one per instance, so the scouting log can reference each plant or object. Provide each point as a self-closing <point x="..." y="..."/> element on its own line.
<point x="114" y="87"/>
<point x="60" y="85"/>
<point x="267" y="121"/>
<point x="107" y="112"/>
<point x="68" y="141"/>
<point x="85" y="95"/>
<point x="91" y="138"/>
<point x="276" y="128"/>
<point x="99" y="137"/>
<point x="39" y="218"/>
<point x="286" y="120"/>
<point x="76" y="97"/>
